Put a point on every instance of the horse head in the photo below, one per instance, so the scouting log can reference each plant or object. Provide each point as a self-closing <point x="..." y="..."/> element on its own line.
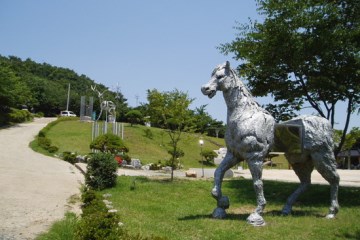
<point x="218" y="80"/>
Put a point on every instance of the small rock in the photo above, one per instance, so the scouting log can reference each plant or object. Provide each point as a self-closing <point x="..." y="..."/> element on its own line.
<point x="107" y="195"/>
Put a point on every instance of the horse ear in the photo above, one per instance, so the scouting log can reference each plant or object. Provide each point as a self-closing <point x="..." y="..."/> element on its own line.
<point x="227" y="65"/>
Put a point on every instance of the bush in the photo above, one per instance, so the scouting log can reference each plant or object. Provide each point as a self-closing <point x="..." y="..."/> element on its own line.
<point x="109" y="143"/>
<point x="44" y="142"/>
<point x="69" y="157"/>
<point x="148" y="133"/>
<point x="96" y="222"/>
<point x="101" y="171"/>
<point x="209" y="156"/>
<point x="19" y="116"/>
<point x="39" y="114"/>
<point x="52" y="149"/>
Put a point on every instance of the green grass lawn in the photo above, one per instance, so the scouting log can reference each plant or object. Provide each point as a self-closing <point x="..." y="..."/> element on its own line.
<point x="182" y="210"/>
<point x="75" y="136"/>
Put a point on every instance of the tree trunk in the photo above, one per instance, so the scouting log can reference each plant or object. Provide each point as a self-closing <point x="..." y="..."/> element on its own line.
<point x="338" y="149"/>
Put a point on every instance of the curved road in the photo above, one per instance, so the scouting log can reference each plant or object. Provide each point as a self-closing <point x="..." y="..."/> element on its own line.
<point x="34" y="189"/>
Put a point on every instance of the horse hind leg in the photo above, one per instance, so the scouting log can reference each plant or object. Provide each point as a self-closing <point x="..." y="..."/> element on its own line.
<point x="255" y="166"/>
<point x="222" y="201"/>
<point x="303" y="171"/>
<point x="325" y="165"/>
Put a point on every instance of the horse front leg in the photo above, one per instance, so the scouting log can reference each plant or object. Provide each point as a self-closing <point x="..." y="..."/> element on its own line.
<point x="255" y="167"/>
<point x="222" y="201"/>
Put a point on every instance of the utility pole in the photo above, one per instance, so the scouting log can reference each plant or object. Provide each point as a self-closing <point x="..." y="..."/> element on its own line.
<point x="68" y="98"/>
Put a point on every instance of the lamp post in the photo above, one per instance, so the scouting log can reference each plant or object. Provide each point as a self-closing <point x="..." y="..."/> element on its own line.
<point x="201" y="142"/>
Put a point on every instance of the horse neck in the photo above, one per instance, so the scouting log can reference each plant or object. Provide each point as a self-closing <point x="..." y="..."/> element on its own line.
<point x="238" y="98"/>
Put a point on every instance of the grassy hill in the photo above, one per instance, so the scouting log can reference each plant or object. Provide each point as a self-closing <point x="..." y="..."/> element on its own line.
<point x="75" y="136"/>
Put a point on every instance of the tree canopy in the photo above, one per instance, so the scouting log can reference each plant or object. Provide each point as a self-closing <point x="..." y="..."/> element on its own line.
<point x="304" y="51"/>
<point x="171" y="111"/>
<point x="43" y="88"/>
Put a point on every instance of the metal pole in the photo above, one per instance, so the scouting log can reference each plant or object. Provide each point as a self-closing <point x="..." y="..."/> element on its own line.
<point x="68" y="98"/>
<point x="201" y="142"/>
<point x="122" y="131"/>
<point x="202" y="162"/>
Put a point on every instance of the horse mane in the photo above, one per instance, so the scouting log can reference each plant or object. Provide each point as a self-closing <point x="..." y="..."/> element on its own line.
<point x="243" y="87"/>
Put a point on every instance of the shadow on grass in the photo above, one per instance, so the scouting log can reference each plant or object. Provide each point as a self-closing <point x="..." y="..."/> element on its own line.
<point x="242" y="191"/>
<point x="295" y="213"/>
<point x="229" y="216"/>
<point x="244" y="216"/>
<point x="346" y="235"/>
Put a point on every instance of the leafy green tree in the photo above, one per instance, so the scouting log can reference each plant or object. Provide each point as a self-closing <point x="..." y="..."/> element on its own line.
<point x="201" y="119"/>
<point x="134" y="117"/>
<point x="304" y="51"/>
<point x="171" y="111"/>
<point x="352" y="139"/>
<point x="44" y="87"/>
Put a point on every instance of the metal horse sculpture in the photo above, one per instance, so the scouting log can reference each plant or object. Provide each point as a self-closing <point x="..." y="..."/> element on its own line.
<point x="250" y="136"/>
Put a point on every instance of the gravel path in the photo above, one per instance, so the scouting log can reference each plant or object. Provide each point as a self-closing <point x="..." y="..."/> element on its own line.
<point x="34" y="189"/>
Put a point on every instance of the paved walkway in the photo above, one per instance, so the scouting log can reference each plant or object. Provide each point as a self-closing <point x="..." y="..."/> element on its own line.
<point x="349" y="178"/>
<point x="34" y="189"/>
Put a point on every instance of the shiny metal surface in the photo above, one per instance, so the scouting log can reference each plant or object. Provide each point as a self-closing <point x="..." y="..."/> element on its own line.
<point x="307" y="141"/>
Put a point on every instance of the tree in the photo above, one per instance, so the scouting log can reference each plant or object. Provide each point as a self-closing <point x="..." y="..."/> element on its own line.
<point x="352" y="139"/>
<point x="305" y="51"/>
<point x="134" y="117"/>
<point x="201" y="119"/>
<point x="43" y="87"/>
<point x="171" y="111"/>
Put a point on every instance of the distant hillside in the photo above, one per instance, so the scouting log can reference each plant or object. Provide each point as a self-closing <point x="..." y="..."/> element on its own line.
<point x="43" y="87"/>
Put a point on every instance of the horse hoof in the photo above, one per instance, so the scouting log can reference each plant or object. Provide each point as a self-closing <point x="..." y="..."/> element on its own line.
<point x="223" y="202"/>
<point x="256" y="220"/>
<point x="286" y="211"/>
<point x="219" y="213"/>
<point x="330" y="216"/>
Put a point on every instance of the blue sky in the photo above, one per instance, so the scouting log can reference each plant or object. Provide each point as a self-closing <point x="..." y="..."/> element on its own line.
<point x="136" y="44"/>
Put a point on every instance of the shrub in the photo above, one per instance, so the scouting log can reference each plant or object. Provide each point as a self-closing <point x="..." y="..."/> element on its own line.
<point x="53" y="149"/>
<point x="148" y="133"/>
<point x="101" y="171"/>
<point x="69" y="157"/>
<point x="99" y="226"/>
<point x="209" y="156"/>
<point x="96" y="222"/>
<point x="134" y="117"/>
<point x="39" y="114"/>
<point x="109" y="143"/>
<point x="19" y="116"/>
<point x="44" y="142"/>
<point x="41" y="133"/>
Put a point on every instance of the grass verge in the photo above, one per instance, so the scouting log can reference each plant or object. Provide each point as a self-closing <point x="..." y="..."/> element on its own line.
<point x="182" y="210"/>
<point x="61" y="230"/>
